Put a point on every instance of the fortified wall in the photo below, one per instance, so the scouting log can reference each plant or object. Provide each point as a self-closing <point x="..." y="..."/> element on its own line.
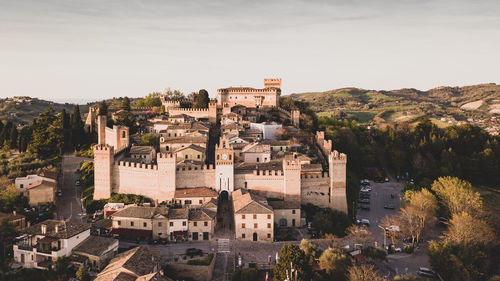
<point x="210" y="113"/>
<point x="251" y="97"/>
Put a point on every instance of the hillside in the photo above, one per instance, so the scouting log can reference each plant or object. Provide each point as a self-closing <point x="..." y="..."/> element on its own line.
<point x="446" y="105"/>
<point x="24" y="109"/>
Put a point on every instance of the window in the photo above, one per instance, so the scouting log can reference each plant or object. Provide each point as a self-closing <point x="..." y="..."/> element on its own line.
<point x="243" y="235"/>
<point x="171" y="223"/>
<point x="119" y="223"/>
<point x="243" y="216"/>
<point x="257" y="159"/>
<point x="123" y="134"/>
<point x="159" y="224"/>
<point x="22" y="185"/>
<point x="269" y="235"/>
<point x="195" y="223"/>
<point x="242" y="225"/>
<point x="145" y="224"/>
<point x="186" y="156"/>
<point x="131" y="223"/>
<point x="254" y="216"/>
<point x="201" y="201"/>
<point x="184" y="223"/>
<point x="293" y="211"/>
<point x="268" y="225"/>
<point x="198" y="156"/>
<point x="268" y="217"/>
<point x="205" y="223"/>
<point x="255" y="225"/>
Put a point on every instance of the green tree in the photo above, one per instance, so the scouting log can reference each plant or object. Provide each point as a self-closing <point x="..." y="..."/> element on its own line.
<point x="24" y="138"/>
<point x="66" y="128"/>
<point x="82" y="274"/>
<point x="310" y="249"/>
<point x="446" y="263"/>
<point x="47" y="135"/>
<point x="291" y="256"/>
<point x="61" y="266"/>
<point x="150" y="139"/>
<point x="13" y="137"/>
<point x="331" y="221"/>
<point x="77" y="128"/>
<point x="125" y="104"/>
<point x="103" y="108"/>
<point x="457" y="195"/>
<point x="202" y="99"/>
<point x="334" y="261"/>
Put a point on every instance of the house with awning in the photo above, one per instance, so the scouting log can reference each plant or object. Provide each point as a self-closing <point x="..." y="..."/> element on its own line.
<point x="43" y="243"/>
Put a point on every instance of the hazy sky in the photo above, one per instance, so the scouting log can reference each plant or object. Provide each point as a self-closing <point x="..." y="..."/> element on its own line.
<point x="69" y="50"/>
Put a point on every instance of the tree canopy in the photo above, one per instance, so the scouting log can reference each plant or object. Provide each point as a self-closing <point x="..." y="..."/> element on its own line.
<point x="202" y="99"/>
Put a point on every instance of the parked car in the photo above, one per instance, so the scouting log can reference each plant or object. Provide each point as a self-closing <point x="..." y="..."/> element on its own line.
<point x="364" y="207"/>
<point x="78" y="182"/>
<point x="426" y="272"/>
<point x="365" y="181"/>
<point x="59" y="193"/>
<point x="194" y="252"/>
<point x="389" y="206"/>
<point x="366" y="201"/>
<point x="365" y="222"/>
<point x="386" y="179"/>
<point x="366" y="189"/>
<point x="364" y="195"/>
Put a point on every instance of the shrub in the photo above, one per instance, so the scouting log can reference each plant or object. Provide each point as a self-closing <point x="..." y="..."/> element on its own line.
<point x="409" y="249"/>
<point x="205" y="261"/>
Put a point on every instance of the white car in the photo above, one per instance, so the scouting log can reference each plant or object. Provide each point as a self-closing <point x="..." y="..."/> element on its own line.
<point x="365" y="222"/>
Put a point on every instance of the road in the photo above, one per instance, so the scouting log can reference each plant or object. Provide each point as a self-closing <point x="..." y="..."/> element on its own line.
<point x="69" y="205"/>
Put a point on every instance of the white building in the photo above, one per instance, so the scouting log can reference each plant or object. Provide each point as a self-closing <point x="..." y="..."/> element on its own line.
<point x="269" y="130"/>
<point x="22" y="183"/>
<point x="43" y="243"/>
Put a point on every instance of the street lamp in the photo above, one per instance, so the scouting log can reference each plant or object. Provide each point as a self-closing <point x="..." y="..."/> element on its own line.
<point x="384" y="236"/>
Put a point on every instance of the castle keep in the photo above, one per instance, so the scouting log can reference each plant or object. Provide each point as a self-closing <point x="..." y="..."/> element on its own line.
<point x="242" y="159"/>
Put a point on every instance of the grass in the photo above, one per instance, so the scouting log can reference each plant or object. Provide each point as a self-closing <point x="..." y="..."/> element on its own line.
<point x="363" y="116"/>
<point x="491" y="197"/>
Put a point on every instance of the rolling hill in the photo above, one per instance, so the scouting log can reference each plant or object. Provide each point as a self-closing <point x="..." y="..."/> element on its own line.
<point x="445" y="105"/>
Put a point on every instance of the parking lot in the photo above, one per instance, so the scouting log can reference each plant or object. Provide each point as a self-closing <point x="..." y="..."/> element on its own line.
<point x="380" y="196"/>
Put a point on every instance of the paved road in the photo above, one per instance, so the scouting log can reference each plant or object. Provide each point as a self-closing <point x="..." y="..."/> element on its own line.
<point x="69" y="205"/>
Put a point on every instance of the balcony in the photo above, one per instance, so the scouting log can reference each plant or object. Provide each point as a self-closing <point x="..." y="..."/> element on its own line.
<point x="25" y="247"/>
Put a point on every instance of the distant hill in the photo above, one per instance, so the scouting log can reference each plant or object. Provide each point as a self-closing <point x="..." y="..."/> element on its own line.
<point x="446" y="105"/>
<point x="24" y="109"/>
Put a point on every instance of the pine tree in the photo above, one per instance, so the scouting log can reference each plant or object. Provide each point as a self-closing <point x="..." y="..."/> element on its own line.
<point x="202" y="99"/>
<point x="77" y="132"/>
<point x="125" y="104"/>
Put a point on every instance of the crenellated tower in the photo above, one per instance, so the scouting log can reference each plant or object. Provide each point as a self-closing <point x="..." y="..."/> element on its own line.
<point x="291" y="172"/>
<point x="224" y="166"/>
<point x="103" y="161"/>
<point x="337" y="163"/>
<point x="166" y="176"/>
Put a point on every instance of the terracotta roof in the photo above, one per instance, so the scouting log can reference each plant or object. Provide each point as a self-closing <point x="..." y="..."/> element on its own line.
<point x="186" y="139"/>
<point x="143" y="212"/>
<point x="194" y="147"/>
<point x="178" y="214"/>
<point x="95" y="245"/>
<point x="42" y="183"/>
<point x="130" y="265"/>
<point x="201" y="215"/>
<point x="47" y="174"/>
<point x="65" y="229"/>
<point x="195" y="192"/>
<point x="257" y="148"/>
<point x="245" y="167"/>
<point x="245" y="203"/>
<point x="139" y="149"/>
<point x="212" y="204"/>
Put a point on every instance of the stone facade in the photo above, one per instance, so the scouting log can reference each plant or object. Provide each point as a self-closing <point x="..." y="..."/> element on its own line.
<point x="250" y="97"/>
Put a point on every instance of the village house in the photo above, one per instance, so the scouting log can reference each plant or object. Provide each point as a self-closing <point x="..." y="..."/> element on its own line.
<point x="201" y="224"/>
<point x="141" y="222"/>
<point x="18" y="221"/>
<point x="137" y="264"/>
<point x="178" y="224"/>
<point x="253" y="217"/>
<point x="43" y="243"/>
<point x="194" y="197"/>
<point x="143" y="154"/>
<point x="22" y="183"/>
<point x="41" y="192"/>
<point x="286" y="214"/>
<point x="95" y="252"/>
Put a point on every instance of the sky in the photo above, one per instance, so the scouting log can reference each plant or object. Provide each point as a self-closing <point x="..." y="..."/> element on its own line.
<point x="79" y="51"/>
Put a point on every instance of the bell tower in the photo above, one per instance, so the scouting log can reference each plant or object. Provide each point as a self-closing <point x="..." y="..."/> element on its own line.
<point x="224" y="166"/>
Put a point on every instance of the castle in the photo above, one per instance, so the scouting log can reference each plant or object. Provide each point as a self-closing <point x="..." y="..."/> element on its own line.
<point x="284" y="175"/>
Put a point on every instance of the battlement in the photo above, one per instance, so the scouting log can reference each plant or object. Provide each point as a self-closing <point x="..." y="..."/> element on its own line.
<point x="293" y="164"/>
<point x="323" y="175"/>
<point x="145" y="108"/>
<point x="272" y="83"/>
<point x="136" y="165"/>
<point x="189" y="109"/>
<point x="103" y="147"/>
<point x="205" y="167"/>
<point x="335" y="155"/>
<point x="248" y="90"/>
<point x="164" y="156"/>
<point x="267" y="173"/>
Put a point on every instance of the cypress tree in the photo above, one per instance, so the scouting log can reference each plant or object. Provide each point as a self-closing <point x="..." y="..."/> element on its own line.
<point x="103" y="108"/>
<point x="125" y="104"/>
<point x="202" y="99"/>
<point x="13" y="137"/>
<point x="77" y="132"/>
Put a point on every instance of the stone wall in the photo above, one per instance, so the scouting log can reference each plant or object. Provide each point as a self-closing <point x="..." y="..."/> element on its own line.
<point x="265" y="183"/>
<point x="315" y="190"/>
<point x="203" y="176"/>
<point x="194" y="272"/>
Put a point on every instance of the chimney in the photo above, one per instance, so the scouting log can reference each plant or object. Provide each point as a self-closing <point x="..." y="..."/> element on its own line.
<point x="44" y="228"/>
